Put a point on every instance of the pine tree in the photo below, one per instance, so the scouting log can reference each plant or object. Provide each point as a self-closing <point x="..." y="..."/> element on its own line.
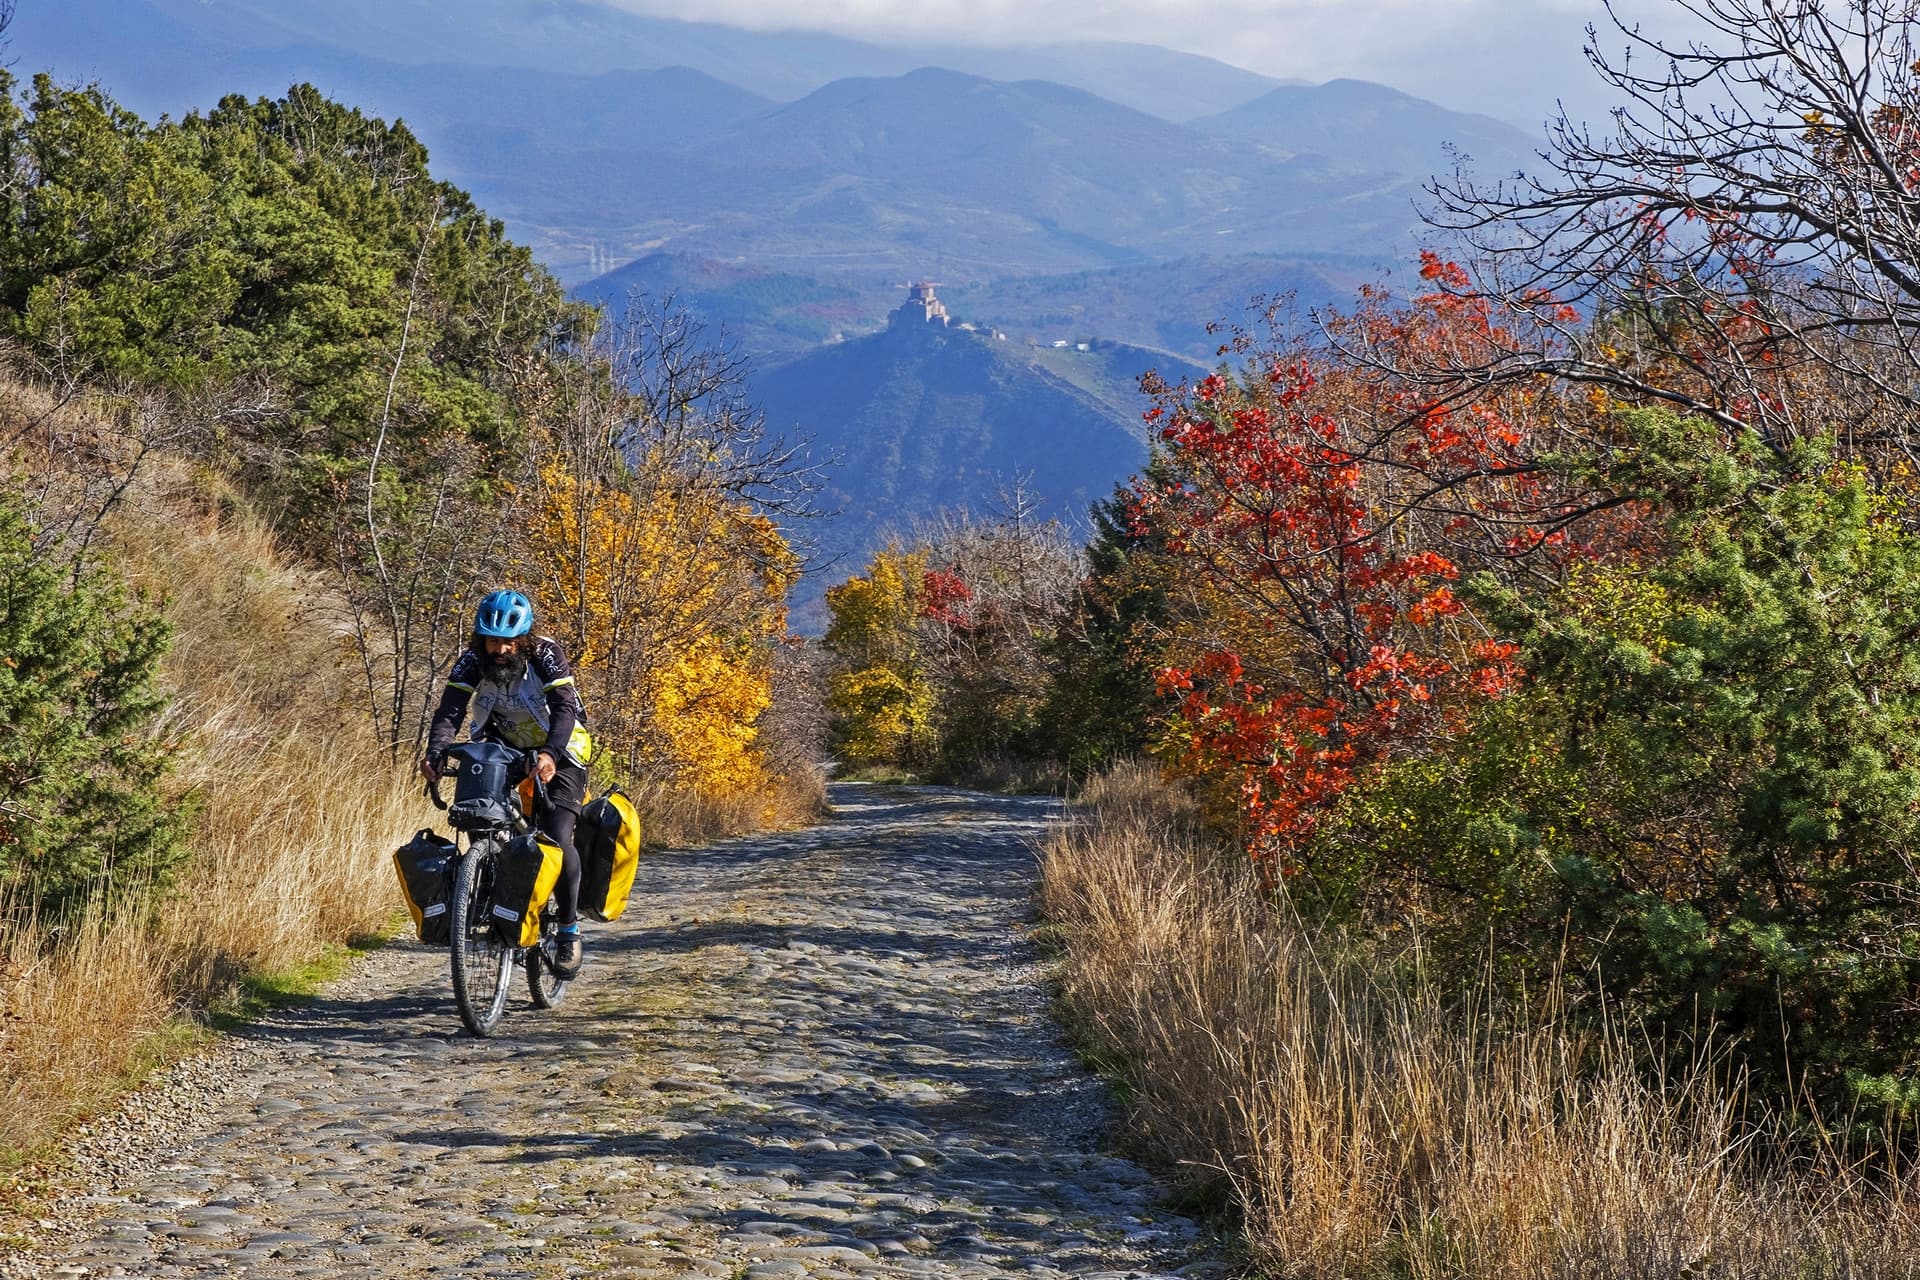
<point x="82" y="806"/>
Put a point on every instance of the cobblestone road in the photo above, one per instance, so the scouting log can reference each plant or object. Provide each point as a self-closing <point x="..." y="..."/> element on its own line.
<point x="817" y="1054"/>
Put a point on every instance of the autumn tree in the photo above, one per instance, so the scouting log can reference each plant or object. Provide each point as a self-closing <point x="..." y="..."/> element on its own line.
<point x="1740" y="239"/>
<point x="650" y="553"/>
<point x="1321" y="513"/>
<point x="881" y="704"/>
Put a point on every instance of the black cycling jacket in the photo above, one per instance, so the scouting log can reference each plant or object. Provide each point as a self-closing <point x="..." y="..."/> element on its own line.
<point x="539" y="709"/>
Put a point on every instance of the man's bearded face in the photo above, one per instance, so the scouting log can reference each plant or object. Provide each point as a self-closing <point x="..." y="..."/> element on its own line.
<point x="503" y="659"/>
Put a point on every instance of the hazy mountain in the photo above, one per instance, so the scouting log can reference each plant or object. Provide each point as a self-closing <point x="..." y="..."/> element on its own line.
<point x="1166" y="305"/>
<point x="1162" y="306"/>
<point x="942" y="174"/>
<point x="1174" y="86"/>
<point x="773" y="315"/>
<point x="923" y="418"/>
<point x="1373" y="127"/>
<point x="577" y="37"/>
<point x="671" y="107"/>
<point x="874" y="180"/>
<point x="668" y="107"/>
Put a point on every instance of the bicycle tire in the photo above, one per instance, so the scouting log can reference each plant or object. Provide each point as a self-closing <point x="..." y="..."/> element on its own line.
<point x="482" y="961"/>
<point x="547" y="987"/>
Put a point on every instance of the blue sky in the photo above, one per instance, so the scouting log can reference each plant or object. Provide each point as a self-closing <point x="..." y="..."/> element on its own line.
<point x="1508" y="58"/>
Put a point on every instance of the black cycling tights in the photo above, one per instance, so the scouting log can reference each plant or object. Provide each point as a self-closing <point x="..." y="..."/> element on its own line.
<point x="558" y="824"/>
<point x="557" y="818"/>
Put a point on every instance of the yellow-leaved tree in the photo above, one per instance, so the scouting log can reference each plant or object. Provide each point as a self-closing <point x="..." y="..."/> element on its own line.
<point x="672" y="602"/>
<point x="881" y="703"/>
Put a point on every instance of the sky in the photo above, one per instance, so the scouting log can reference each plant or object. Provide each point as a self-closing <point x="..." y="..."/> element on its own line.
<point x="1514" y="59"/>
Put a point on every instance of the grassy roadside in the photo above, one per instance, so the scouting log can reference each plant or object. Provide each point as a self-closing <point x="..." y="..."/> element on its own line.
<point x="1357" y="1124"/>
<point x="295" y="816"/>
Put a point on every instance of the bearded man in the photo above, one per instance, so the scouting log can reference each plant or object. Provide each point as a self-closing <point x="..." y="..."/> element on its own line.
<point x="523" y="695"/>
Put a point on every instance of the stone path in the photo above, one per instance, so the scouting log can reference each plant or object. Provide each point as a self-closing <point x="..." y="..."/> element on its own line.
<point x="817" y="1054"/>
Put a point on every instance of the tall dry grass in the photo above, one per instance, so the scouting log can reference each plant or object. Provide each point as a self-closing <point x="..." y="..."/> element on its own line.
<point x="297" y="817"/>
<point x="677" y="817"/>
<point x="1363" y="1124"/>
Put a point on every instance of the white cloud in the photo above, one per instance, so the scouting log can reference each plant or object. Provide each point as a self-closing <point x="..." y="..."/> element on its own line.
<point x="1302" y="31"/>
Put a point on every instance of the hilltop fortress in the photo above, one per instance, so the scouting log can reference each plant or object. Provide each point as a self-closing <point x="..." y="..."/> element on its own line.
<point x="921" y="307"/>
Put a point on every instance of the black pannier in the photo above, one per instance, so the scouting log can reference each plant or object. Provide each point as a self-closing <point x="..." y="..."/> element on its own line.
<point x="425" y="864"/>
<point x="484" y="774"/>
<point x="528" y="869"/>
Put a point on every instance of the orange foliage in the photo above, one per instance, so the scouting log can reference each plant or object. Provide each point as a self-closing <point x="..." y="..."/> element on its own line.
<point x="1327" y="507"/>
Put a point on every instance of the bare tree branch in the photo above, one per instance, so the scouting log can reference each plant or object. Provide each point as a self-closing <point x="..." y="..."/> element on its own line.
<point x="1743" y="242"/>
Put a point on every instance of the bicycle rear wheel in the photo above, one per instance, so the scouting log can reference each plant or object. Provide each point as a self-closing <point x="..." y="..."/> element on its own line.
<point x="482" y="962"/>
<point x="548" y="988"/>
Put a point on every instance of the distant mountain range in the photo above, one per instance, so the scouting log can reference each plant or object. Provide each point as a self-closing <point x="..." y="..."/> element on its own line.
<point x="785" y="186"/>
<point x="578" y="38"/>
<point x="880" y="171"/>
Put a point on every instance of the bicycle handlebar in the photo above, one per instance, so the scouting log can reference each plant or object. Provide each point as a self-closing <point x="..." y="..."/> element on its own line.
<point x="533" y="771"/>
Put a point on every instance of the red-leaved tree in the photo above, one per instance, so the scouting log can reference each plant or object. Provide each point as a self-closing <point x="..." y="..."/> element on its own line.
<point x="1325" y="511"/>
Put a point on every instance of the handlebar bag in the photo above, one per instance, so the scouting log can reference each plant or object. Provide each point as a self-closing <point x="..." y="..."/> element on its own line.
<point x="529" y="868"/>
<point x="483" y="778"/>
<point x="609" y="844"/>
<point x="425" y="864"/>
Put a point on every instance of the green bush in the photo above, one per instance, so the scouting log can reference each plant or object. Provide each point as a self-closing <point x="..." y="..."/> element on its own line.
<point x="289" y="244"/>
<point x="80" y="768"/>
<point x="1704" y="804"/>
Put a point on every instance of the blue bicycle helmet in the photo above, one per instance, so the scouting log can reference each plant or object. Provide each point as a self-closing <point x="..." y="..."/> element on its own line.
<point x="503" y="615"/>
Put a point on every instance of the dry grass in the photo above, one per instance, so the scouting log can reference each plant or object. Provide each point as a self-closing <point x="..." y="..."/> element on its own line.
<point x="677" y="817"/>
<point x="297" y="820"/>
<point x="1363" y="1126"/>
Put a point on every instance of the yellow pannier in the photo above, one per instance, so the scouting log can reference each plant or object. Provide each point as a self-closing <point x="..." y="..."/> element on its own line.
<point x="528" y="869"/>
<point x="609" y="844"/>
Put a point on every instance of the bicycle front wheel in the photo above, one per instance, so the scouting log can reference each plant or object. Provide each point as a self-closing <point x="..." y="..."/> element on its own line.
<point x="482" y="962"/>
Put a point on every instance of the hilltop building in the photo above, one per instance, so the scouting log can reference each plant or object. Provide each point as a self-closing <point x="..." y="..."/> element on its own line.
<point x="921" y="307"/>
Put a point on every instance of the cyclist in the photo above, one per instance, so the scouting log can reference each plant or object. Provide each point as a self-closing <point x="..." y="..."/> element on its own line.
<point x="523" y="695"/>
